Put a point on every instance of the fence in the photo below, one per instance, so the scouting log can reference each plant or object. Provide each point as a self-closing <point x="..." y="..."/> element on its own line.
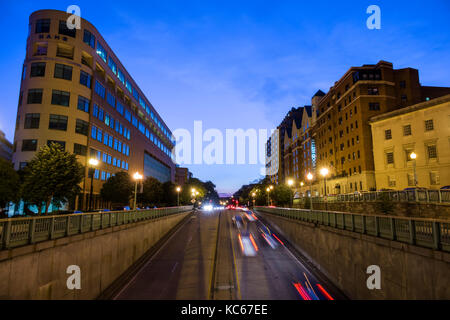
<point x="435" y="196"/>
<point x="429" y="233"/>
<point x="22" y="231"/>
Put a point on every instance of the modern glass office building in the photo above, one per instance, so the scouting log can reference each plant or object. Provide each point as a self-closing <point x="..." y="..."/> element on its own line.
<point x="76" y="92"/>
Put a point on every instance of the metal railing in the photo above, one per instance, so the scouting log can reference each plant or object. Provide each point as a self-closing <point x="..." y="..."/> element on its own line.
<point x="23" y="231"/>
<point x="435" y="196"/>
<point x="428" y="233"/>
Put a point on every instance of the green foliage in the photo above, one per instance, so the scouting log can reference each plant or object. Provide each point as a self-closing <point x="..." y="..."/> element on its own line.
<point x="281" y="195"/>
<point x="153" y="192"/>
<point x="9" y="183"/>
<point x="118" y="189"/>
<point x="169" y="194"/>
<point x="53" y="175"/>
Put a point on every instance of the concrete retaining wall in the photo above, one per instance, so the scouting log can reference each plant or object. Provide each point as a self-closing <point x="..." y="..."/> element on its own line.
<point x="407" y="272"/>
<point x="39" y="271"/>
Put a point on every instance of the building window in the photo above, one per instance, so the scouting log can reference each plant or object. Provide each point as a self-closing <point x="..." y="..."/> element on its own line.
<point x="37" y="69"/>
<point x="34" y="96"/>
<point x="85" y="79"/>
<point x="403" y="84"/>
<point x="83" y="104"/>
<point x="42" y="26"/>
<point x="32" y="121"/>
<point x="112" y="65"/>
<point x="391" y="181"/>
<point x="60" y="98"/>
<point x="404" y="98"/>
<point x="58" y="122"/>
<point x="101" y="52"/>
<point x="432" y="151"/>
<point x="99" y="89"/>
<point x="65" y="51"/>
<point x="89" y="38"/>
<point x="61" y="144"/>
<point x="64" y="30"/>
<point x="63" y="72"/>
<point x="374" y="106"/>
<point x="407" y="130"/>
<point x="40" y="49"/>
<point x="389" y="157"/>
<point x="22" y="165"/>
<point x="388" y="134"/>
<point x="82" y="127"/>
<point x="79" y="149"/>
<point x="429" y="126"/>
<point x="111" y="100"/>
<point x="434" y="178"/>
<point x="29" y="145"/>
<point x="373" y="91"/>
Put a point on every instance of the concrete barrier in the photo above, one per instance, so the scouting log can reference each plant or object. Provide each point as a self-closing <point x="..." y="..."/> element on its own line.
<point x="38" y="271"/>
<point x="407" y="271"/>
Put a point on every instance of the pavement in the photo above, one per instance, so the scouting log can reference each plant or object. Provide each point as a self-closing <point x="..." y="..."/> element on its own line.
<point x="209" y="257"/>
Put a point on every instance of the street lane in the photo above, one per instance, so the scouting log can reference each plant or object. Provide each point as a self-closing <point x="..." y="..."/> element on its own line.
<point x="274" y="273"/>
<point x="182" y="268"/>
<point x="205" y="259"/>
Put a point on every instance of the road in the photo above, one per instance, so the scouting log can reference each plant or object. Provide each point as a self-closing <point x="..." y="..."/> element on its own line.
<point x="210" y="258"/>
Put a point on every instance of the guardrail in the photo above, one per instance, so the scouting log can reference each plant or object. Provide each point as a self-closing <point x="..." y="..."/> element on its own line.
<point x="23" y="231"/>
<point x="435" y="196"/>
<point x="428" y="233"/>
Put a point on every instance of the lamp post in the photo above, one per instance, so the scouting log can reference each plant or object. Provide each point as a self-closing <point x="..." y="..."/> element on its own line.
<point x="268" y="197"/>
<point x="253" y="195"/>
<point x="178" y="196"/>
<point x="137" y="177"/>
<point x="324" y="172"/>
<point x="92" y="164"/>
<point x="413" y="157"/>
<point x="290" y="184"/>
<point x="310" y="178"/>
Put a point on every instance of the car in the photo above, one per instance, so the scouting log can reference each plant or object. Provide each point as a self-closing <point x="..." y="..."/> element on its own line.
<point x="248" y="244"/>
<point x="445" y="188"/>
<point x="415" y="188"/>
<point x="238" y="222"/>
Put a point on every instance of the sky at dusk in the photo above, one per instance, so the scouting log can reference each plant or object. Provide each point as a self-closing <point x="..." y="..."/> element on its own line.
<point x="240" y="64"/>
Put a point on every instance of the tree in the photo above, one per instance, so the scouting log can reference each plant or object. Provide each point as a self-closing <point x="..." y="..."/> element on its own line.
<point x="152" y="193"/>
<point x="9" y="184"/>
<point x="169" y="196"/>
<point x="53" y="175"/>
<point x="118" y="189"/>
<point x="281" y="194"/>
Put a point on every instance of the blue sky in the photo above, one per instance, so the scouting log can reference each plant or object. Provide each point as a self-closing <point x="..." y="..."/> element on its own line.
<point x="240" y="64"/>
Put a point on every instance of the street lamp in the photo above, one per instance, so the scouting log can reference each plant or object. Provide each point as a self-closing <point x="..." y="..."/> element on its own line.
<point x="178" y="195"/>
<point x="324" y="172"/>
<point x="253" y="195"/>
<point x="290" y="184"/>
<point x="92" y="164"/>
<point x="310" y="178"/>
<point x="137" y="177"/>
<point x="413" y="157"/>
<point x="268" y="197"/>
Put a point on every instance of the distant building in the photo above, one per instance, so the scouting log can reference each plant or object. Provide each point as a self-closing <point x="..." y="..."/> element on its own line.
<point x="182" y="176"/>
<point x="75" y="92"/>
<point x="6" y="147"/>
<point x="422" y="128"/>
<point x="342" y="134"/>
